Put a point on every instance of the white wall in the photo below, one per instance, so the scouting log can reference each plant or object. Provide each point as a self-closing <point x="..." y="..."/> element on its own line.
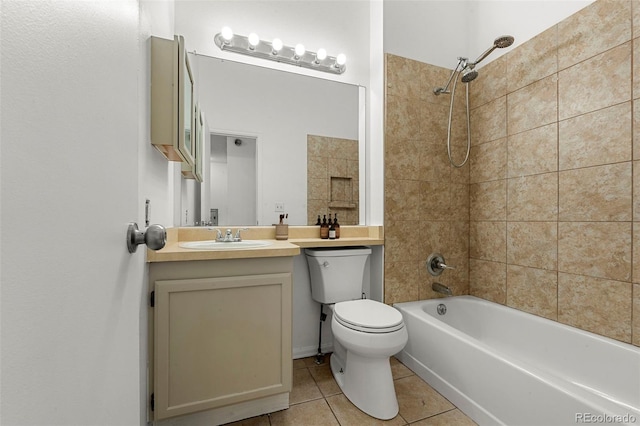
<point x="338" y="26"/>
<point x="438" y="32"/>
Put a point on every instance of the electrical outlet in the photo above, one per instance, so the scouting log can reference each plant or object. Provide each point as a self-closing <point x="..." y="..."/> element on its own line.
<point x="279" y="207"/>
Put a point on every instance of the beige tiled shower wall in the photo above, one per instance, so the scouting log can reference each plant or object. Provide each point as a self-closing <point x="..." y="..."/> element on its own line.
<point x="555" y="174"/>
<point x="546" y="218"/>
<point x="426" y="200"/>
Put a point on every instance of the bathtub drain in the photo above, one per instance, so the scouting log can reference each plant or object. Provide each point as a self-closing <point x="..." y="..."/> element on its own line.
<point x="442" y="309"/>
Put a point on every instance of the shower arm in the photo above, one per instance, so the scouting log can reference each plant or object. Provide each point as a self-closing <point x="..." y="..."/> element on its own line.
<point x="440" y="90"/>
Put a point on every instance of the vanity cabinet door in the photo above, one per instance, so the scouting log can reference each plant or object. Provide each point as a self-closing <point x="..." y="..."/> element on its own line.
<point x="220" y="341"/>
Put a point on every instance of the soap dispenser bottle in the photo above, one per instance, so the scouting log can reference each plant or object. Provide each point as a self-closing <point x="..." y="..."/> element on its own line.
<point x="324" y="228"/>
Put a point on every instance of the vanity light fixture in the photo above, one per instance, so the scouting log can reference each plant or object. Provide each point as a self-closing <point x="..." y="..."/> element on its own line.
<point x="277" y="51"/>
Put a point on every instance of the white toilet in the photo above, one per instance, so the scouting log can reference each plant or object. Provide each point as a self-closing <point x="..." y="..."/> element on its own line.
<point x="366" y="333"/>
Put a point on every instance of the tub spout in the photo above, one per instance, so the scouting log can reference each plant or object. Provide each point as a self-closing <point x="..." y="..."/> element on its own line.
<point x="441" y="288"/>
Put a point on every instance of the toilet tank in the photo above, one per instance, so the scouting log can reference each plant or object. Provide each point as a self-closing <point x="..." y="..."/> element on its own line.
<point x="336" y="273"/>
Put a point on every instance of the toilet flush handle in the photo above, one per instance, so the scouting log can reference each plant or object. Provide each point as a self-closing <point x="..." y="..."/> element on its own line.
<point x="325" y="264"/>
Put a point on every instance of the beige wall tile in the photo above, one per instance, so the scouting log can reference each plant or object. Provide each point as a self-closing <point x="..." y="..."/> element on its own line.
<point x="583" y="89"/>
<point x="402" y="77"/>
<point x="403" y="117"/>
<point x="533" y="290"/>
<point x="594" y="29"/>
<point x="337" y="167"/>
<point x="488" y="161"/>
<point x="432" y="77"/>
<point x="435" y="201"/>
<point x="594" y="304"/>
<point x="433" y="163"/>
<point x="460" y="174"/>
<point x="533" y="60"/>
<point x="533" y="244"/>
<point x="534" y="151"/>
<point x="488" y="200"/>
<point x="434" y="237"/>
<point x="490" y="84"/>
<point x="598" y="249"/>
<point x="432" y="125"/>
<point x="601" y="193"/>
<point x="317" y="167"/>
<point x="600" y="137"/>
<point x="459" y="202"/>
<point x="636" y="315"/>
<point x="532" y="106"/>
<point x="533" y="198"/>
<point x="636" y="128"/>
<point x="636" y="63"/>
<point x="402" y="240"/>
<point x="400" y="281"/>
<point x="636" y="253"/>
<point x="488" y="122"/>
<point x="488" y="280"/>
<point x="488" y="241"/>
<point x="635" y="8"/>
<point x="343" y="148"/>
<point x="401" y="161"/>
<point x="636" y="190"/>
<point x="402" y="199"/>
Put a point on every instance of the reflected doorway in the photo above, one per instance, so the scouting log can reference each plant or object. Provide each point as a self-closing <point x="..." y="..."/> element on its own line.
<point x="232" y="171"/>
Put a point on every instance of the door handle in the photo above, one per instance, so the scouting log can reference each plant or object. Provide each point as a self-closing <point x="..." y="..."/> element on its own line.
<point x="155" y="237"/>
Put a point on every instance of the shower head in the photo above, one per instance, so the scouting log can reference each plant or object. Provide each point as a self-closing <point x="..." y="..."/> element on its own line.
<point x="503" y="41"/>
<point x="469" y="74"/>
<point x="499" y="43"/>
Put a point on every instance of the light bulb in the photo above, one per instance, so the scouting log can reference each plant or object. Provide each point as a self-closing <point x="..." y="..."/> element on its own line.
<point x="227" y="34"/>
<point x="277" y="45"/>
<point x="253" y="40"/>
<point x="321" y="55"/>
<point x="299" y="50"/>
<point x="341" y="59"/>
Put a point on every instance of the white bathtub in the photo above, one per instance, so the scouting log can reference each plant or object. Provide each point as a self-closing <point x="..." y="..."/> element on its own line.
<point x="501" y="366"/>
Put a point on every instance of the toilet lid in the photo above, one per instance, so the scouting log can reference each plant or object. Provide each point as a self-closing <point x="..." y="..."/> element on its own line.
<point x="368" y="316"/>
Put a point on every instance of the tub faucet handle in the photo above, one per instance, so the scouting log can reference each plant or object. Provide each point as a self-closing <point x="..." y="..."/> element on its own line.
<point x="436" y="264"/>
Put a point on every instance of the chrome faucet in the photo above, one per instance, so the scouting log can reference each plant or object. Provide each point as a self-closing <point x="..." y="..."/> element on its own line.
<point x="228" y="236"/>
<point x="441" y="288"/>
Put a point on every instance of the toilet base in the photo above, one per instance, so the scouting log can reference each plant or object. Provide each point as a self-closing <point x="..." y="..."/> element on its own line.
<point x="367" y="382"/>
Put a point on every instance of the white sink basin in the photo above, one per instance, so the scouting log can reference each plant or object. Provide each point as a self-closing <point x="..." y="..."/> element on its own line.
<point x="217" y="245"/>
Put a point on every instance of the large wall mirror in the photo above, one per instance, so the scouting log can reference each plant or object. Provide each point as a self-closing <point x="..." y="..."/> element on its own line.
<point x="265" y="133"/>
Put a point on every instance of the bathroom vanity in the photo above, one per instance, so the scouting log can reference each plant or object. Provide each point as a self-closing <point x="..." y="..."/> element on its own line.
<point x="220" y="323"/>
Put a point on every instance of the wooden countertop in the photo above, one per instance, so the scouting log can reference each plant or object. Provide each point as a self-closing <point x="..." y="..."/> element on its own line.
<point x="299" y="237"/>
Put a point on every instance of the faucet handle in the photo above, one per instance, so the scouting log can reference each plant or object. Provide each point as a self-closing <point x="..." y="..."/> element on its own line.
<point x="436" y="265"/>
<point x="238" y="237"/>
<point x="218" y="233"/>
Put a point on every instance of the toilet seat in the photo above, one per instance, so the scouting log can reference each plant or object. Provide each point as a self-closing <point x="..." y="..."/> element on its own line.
<point x="368" y="316"/>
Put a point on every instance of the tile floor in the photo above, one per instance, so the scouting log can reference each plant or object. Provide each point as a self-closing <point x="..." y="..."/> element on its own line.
<point x="316" y="400"/>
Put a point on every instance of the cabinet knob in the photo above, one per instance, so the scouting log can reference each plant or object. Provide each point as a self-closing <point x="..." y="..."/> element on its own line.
<point x="155" y="237"/>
